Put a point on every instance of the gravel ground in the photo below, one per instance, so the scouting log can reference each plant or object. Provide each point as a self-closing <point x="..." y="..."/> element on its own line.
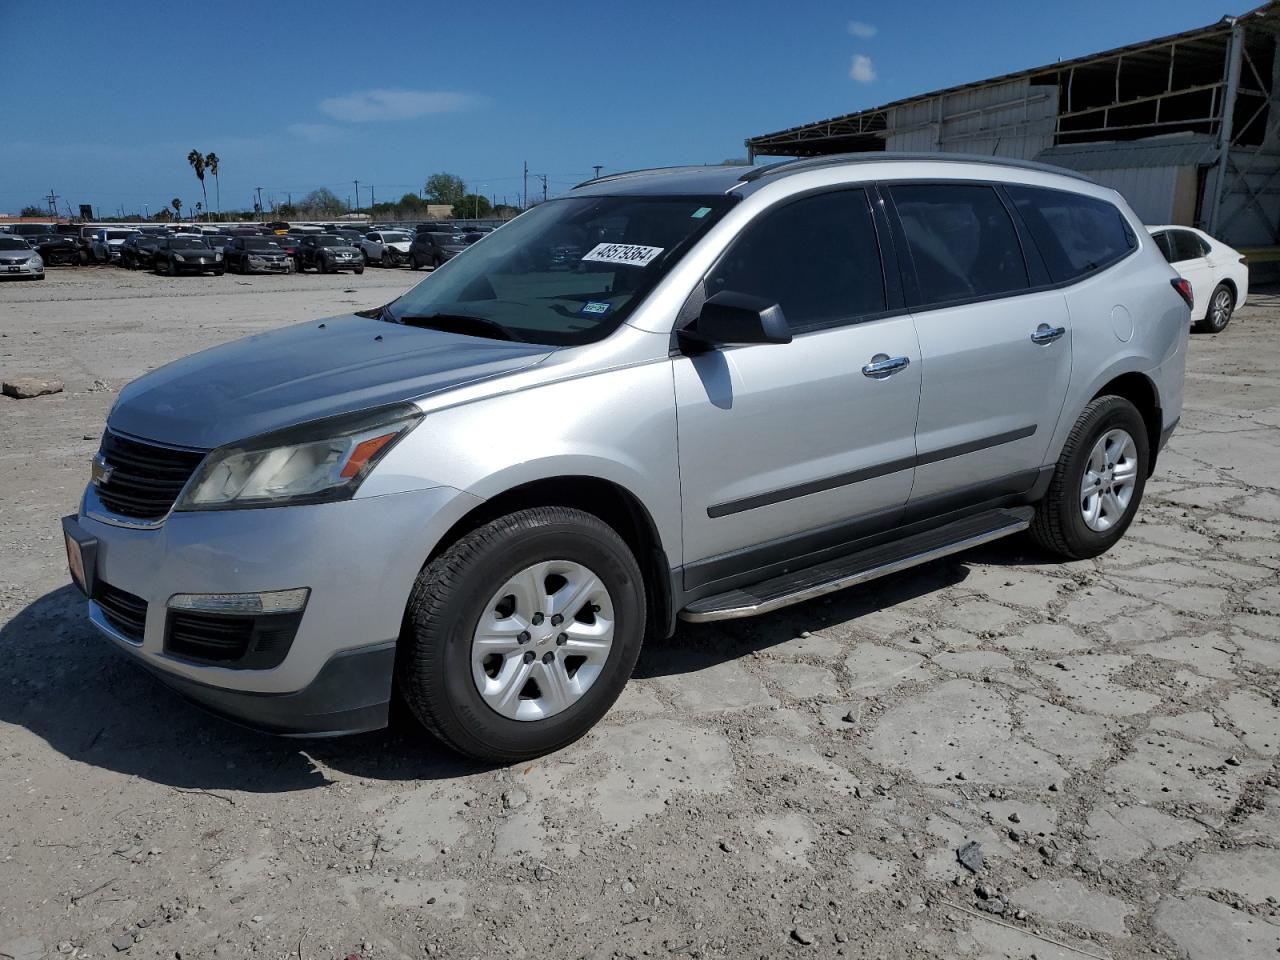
<point x="799" y="784"/>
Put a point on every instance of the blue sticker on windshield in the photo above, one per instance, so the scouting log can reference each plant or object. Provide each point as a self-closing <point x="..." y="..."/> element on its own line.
<point x="700" y="213"/>
<point x="595" y="308"/>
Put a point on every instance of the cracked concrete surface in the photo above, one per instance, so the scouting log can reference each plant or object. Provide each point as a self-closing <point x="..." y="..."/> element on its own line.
<point x="1108" y="730"/>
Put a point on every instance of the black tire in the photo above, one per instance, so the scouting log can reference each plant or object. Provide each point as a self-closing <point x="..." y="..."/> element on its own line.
<point x="1218" y="314"/>
<point x="433" y="663"/>
<point x="414" y="264"/>
<point x="40" y="276"/>
<point x="217" y="273"/>
<point x="359" y="270"/>
<point x="1059" y="526"/>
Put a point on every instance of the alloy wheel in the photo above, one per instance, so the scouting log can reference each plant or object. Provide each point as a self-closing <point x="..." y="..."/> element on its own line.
<point x="1109" y="480"/>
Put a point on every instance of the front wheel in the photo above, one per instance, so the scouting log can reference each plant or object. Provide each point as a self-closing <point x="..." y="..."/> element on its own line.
<point x="522" y="634"/>
<point x="1097" y="483"/>
<point x="1221" y="305"/>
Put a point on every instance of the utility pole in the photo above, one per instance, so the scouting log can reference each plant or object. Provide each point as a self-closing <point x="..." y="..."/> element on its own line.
<point x="597" y="168"/>
<point x="372" y="203"/>
<point x="544" y="188"/>
<point x="524" y="202"/>
<point x="357" y="183"/>
<point x="259" y="189"/>
<point x="53" y="202"/>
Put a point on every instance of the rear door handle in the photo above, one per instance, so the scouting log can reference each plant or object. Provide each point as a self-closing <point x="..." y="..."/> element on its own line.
<point x="882" y="365"/>
<point x="1047" y="334"/>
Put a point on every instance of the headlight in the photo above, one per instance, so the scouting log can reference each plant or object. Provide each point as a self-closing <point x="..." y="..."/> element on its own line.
<point x="316" y="463"/>
<point x="180" y="258"/>
<point x="37" y="262"/>
<point x="217" y="256"/>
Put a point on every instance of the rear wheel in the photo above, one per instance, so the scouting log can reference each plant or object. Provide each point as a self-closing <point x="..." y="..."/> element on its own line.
<point x="521" y="635"/>
<point x="1221" y="305"/>
<point x="1097" y="483"/>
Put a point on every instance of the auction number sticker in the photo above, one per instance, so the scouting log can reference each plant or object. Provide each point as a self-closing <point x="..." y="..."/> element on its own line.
<point x="631" y="254"/>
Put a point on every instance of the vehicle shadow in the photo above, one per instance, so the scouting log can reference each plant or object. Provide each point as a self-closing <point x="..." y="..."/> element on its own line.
<point x="67" y="685"/>
<point x="697" y="646"/>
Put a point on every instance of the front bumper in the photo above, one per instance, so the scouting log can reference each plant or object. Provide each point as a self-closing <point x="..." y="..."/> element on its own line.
<point x="20" y="270"/>
<point x="194" y="266"/>
<point x="267" y="266"/>
<point x="359" y="557"/>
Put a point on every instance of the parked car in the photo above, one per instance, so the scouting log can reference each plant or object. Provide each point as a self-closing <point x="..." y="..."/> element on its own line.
<point x="434" y="249"/>
<point x="218" y="241"/>
<point x="485" y="494"/>
<point x="387" y="248"/>
<point x="56" y="248"/>
<point x="28" y="231"/>
<point x="139" y="251"/>
<point x="185" y="254"/>
<point x="19" y="259"/>
<point x="106" y="242"/>
<point x="1219" y="275"/>
<point x="329" y="253"/>
<point x="289" y="244"/>
<point x="257" y="255"/>
<point x="277" y="227"/>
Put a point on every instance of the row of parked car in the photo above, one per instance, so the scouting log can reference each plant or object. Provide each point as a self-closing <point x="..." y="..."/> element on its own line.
<point x="270" y="248"/>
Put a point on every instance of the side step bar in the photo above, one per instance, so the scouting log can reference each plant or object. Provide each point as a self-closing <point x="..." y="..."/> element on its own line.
<point x="832" y="575"/>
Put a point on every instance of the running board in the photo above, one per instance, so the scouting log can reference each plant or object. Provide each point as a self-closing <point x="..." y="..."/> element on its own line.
<point x="855" y="568"/>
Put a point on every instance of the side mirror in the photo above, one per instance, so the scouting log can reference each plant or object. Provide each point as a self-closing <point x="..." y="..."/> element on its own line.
<point x="729" y="319"/>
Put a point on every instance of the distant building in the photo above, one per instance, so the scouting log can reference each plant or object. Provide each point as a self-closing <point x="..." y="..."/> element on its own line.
<point x="1184" y="126"/>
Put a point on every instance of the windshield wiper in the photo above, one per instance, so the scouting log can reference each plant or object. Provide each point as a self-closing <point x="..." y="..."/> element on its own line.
<point x="458" y="323"/>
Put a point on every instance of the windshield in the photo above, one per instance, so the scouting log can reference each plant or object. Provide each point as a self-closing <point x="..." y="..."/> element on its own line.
<point x="182" y="243"/>
<point x="121" y="234"/>
<point x="395" y="237"/>
<point x="331" y="242"/>
<point x="9" y="243"/>
<point x="255" y="244"/>
<point x="568" y="271"/>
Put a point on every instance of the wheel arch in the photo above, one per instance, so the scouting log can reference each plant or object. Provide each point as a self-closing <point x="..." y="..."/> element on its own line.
<point x="1140" y="390"/>
<point x="606" y="499"/>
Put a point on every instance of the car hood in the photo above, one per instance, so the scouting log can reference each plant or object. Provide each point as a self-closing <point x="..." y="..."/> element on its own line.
<point x="14" y="256"/>
<point x="304" y="372"/>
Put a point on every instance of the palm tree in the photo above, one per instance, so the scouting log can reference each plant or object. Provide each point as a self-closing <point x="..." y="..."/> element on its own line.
<point x="177" y="208"/>
<point x="211" y="161"/>
<point x="196" y="159"/>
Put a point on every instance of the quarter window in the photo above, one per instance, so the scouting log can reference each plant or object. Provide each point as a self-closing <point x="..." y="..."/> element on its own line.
<point x="817" y="257"/>
<point x="1187" y="246"/>
<point x="1076" y="235"/>
<point x="962" y="241"/>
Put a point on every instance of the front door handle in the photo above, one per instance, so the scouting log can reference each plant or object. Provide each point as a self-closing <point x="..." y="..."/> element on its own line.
<point x="882" y="365"/>
<point x="1047" y="334"/>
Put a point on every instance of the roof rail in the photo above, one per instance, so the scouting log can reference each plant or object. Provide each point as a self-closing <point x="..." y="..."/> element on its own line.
<point x="647" y="170"/>
<point x="888" y="156"/>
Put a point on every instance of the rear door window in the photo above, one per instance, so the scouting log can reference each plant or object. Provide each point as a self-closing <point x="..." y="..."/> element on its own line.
<point x="962" y="241"/>
<point x="1187" y="246"/>
<point x="1076" y="235"/>
<point x="1164" y="244"/>
<point x="817" y="257"/>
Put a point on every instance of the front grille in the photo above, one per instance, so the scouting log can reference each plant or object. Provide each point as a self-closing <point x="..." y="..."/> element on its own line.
<point x="145" y="479"/>
<point x="231" y="640"/>
<point x="124" y="611"/>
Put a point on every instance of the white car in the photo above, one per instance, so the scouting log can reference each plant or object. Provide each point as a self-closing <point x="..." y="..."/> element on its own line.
<point x="386" y="248"/>
<point x="1218" y="275"/>
<point x="106" y="244"/>
<point x="19" y="259"/>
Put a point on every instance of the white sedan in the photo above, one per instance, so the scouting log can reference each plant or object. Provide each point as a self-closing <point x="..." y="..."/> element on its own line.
<point x="1218" y="274"/>
<point x="386" y="247"/>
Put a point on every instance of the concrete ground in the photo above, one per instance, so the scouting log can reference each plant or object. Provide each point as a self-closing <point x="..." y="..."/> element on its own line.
<point x="799" y="784"/>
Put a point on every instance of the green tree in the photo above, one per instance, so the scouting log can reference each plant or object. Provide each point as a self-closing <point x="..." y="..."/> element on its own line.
<point x="211" y="161"/>
<point x="34" y="210"/>
<point x="322" y="201"/>
<point x="286" y="211"/>
<point x="196" y="159"/>
<point x="177" y="207"/>
<point x="472" y="206"/>
<point x="444" y="188"/>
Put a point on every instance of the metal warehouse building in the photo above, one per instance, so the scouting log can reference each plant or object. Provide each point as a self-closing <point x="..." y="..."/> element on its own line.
<point x="1184" y="126"/>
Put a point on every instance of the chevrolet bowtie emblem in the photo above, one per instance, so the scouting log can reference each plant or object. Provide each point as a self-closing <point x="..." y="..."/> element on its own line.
<point x="101" y="471"/>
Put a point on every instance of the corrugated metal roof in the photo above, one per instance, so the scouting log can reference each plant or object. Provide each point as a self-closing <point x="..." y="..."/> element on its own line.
<point x="1187" y="151"/>
<point x="1220" y="28"/>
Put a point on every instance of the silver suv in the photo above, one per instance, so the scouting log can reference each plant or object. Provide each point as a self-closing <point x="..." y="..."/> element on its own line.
<point x="698" y="393"/>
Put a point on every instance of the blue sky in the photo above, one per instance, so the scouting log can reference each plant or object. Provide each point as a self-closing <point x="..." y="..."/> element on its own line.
<point x="293" y="96"/>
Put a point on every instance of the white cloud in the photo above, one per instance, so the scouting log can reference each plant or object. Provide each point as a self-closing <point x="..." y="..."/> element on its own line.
<point x="370" y="105"/>
<point x="316" y="132"/>
<point x="862" y="70"/>
<point x="862" y="30"/>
